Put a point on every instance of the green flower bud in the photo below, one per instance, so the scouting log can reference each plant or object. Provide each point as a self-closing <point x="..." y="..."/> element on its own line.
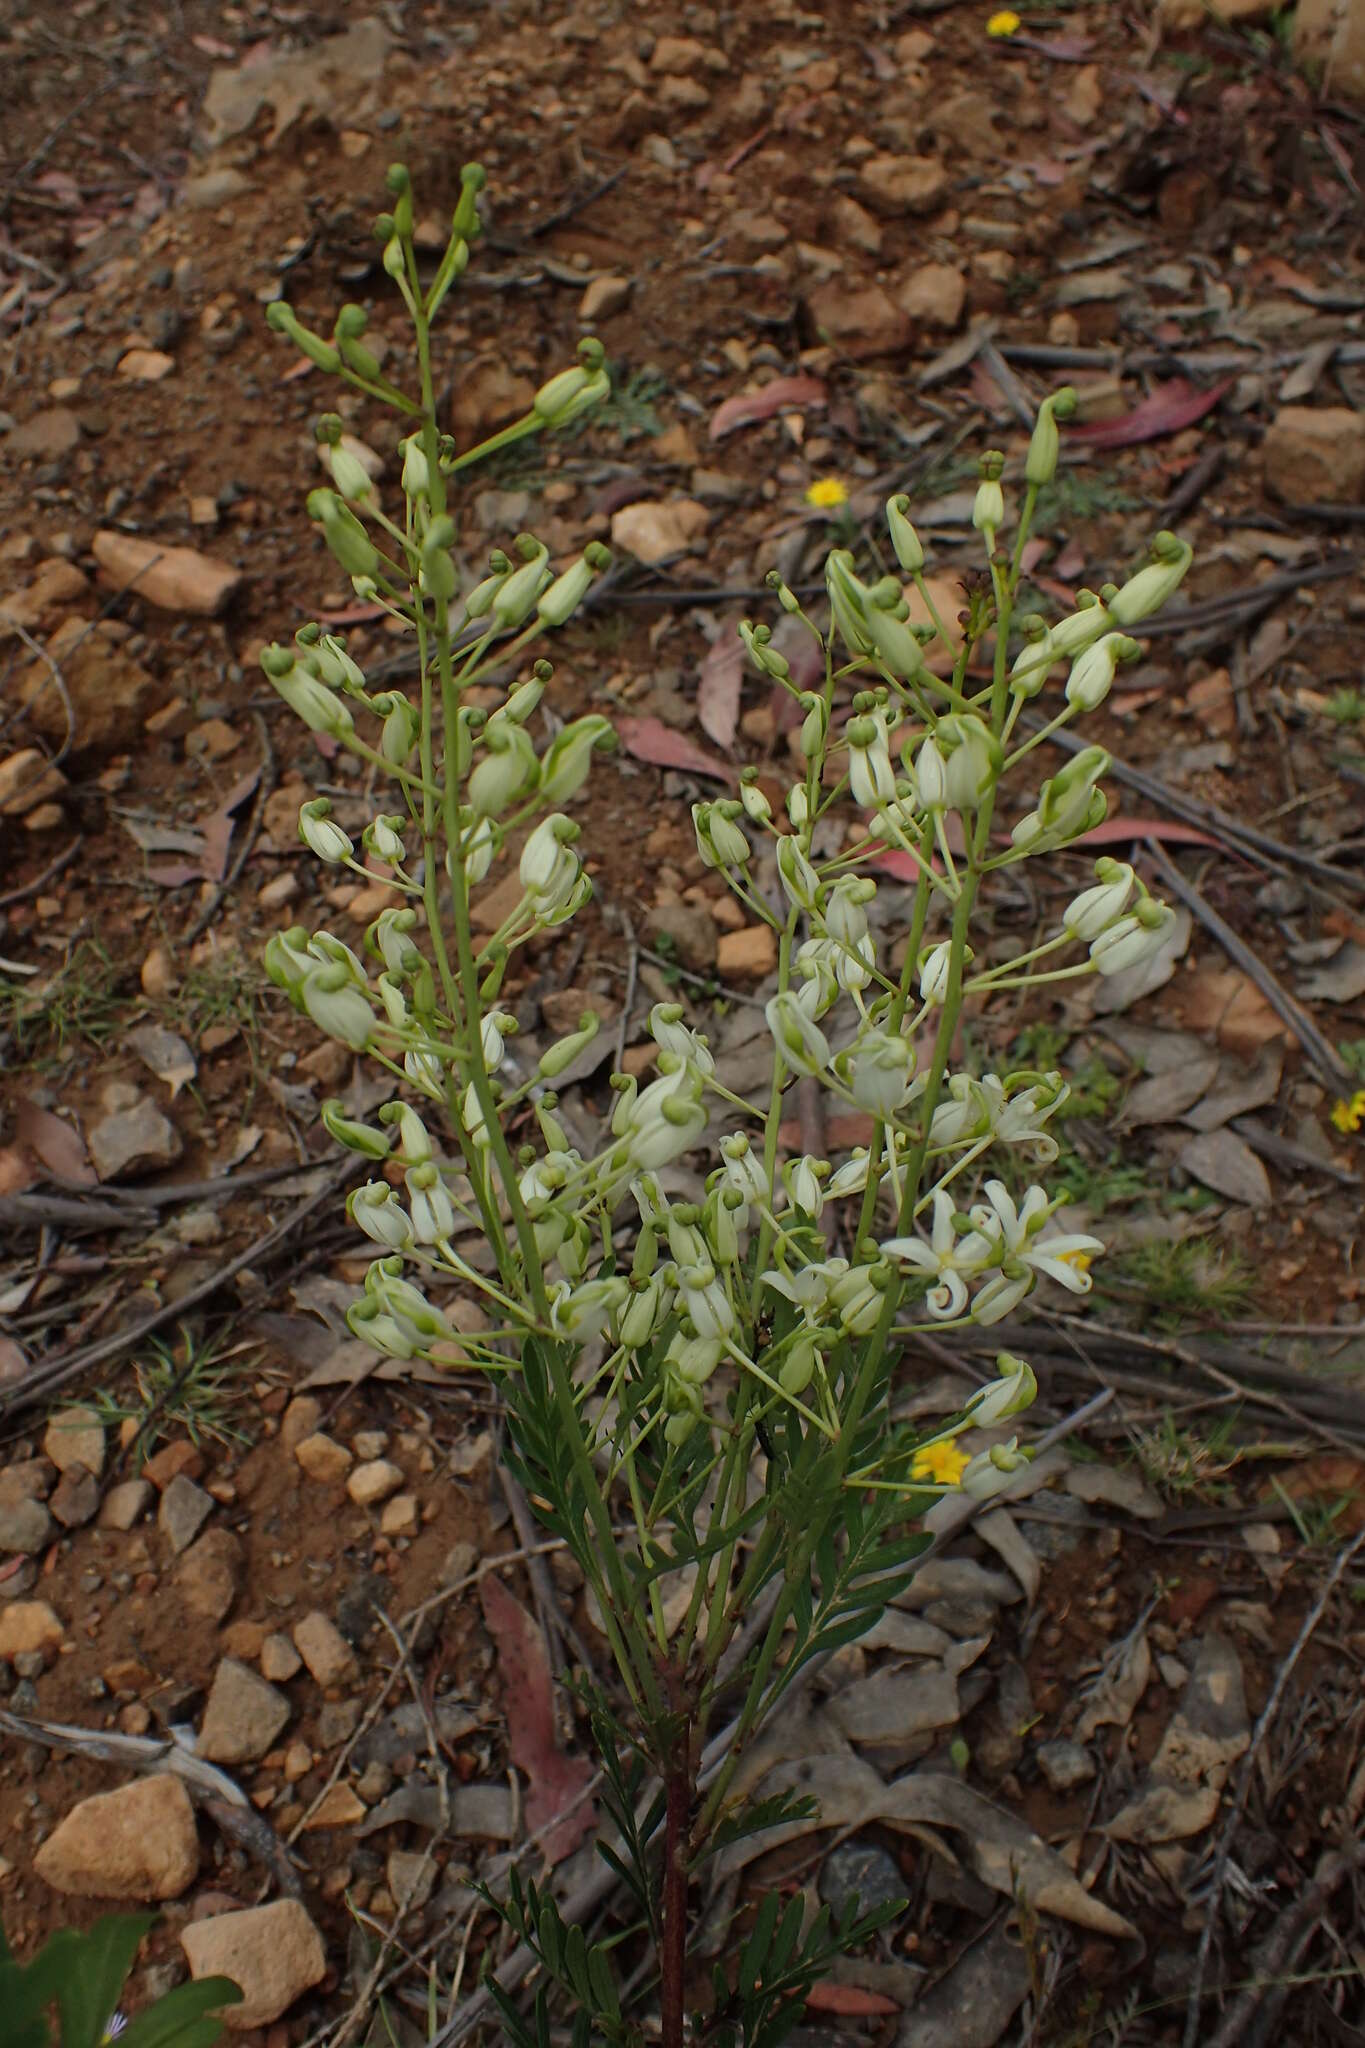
<point x="416" y="474"/>
<point x="565" y="1051"/>
<point x="338" y="1007"/>
<point x="563" y="597"/>
<point x="356" y="1137"/>
<point x="438" y="572"/>
<point x="514" y="598"/>
<point x="765" y="658"/>
<point x="904" y="539"/>
<point x="565" y="764"/>
<point x="319" y="708"/>
<point x="1151" y="587"/>
<point x="349" y="473"/>
<point x="506" y="771"/>
<point x="1043" y="450"/>
<point x="319" y="832"/>
<point x="465" y="220"/>
<point x="401" y="729"/>
<point x="395" y="264"/>
<point x="284" y="320"/>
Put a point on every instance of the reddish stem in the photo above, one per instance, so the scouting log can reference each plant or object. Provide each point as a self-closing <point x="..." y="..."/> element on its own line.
<point x="673" y="1940"/>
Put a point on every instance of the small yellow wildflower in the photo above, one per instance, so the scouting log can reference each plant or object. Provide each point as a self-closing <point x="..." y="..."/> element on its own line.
<point x="1005" y="23"/>
<point x="940" y="1464"/>
<point x="1349" y="1116"/>
<point x="827" y="492"/>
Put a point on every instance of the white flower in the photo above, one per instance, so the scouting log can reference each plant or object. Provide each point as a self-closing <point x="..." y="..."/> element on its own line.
<point x="433" y="1212"/>
<point x="945" y="1258"/>
<point x="809" y="1287"/>
<point x="1151" y="587"/>
<point x="851" y="1177"/>
<point x="845" y="909"/>
<point x="858" y="1297"/>
<point x="1080" y="629"/>
<point x="720" y="842"/>
<point x="375" y="1209"/>
<point x="801" y="1179"/>
<point x="321" y="834"/>
<point x="704" y="1299"/>
<point x="338" y="1007"/>
<point x="670" y="1034"/>
<point x="931" y="776"/>
<point x="1010" y="1233"/>
<point x="880" y="1072"/>
<point x="583" y="1312"/>
<point x="871" y="777"/>
<point x="492" y="1038"/>
<point x="742" y="1170"/>
<point x="817" y="962"/>
<point x="971" y="757"/>
<point x="934" y="969"/>
<point x="1094" y="910"/>
<point x="800" y="1041"/>
<point x="1134" y="938"/>
<point x="1092" y="673"/>
<point x="425" y="1072"/>
<point x="549" y="868"/>
<point x="796" y="874"/>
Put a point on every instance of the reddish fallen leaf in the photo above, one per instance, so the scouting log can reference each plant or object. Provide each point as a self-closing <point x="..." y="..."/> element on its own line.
<point x="752" y="406"/>
<point x="11" y="1568"/>
<point x="1115" y="830"/>
<point x="554" y="1782"/>
<point x="57" y="1145"/>
<point x="174" y="874"/>
<point x="1034" y="551"/>
<point x="1061" y="49"/>
<point x="719" y="686"/>
<point x="218" y="828"/>
<point x="302" y="368"/>
<point x="649" y="739"/>
<point x="1166" y="410"/>
<point x="1070" y="563"/>
<point x="17" y="1170"/>
<point x="849" y="2000"/>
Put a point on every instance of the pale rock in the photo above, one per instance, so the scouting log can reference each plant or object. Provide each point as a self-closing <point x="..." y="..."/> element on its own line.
<point x="655" y="531"/>
<point x="691" y="930"/>
<point x="214" y="740"/>
<point x="279" y="1660"/>
<point x="56" y="583"/>
<point x="139" y="1842"/>
<point x="145" y="365"/>
<point x="203" y="511"/>
<point x="1316" y="455"/>
<point x="411" y="1878"/>
<point x="373" y="1482"/>
<point x="46" y="435"/>
<point x="214" y="188"/>
<point x="133" y="1142"/>
<point x="27" y="781"/>
<point x="677" y="57"/>
<point x="323" y="1458"/>
<point x="329" y="1064"/>
<point x="75" y="1436"/>
<point x="157" y="976"/>
<point x="370" y="1443"/>
<point x="209" y="1575"/>
<point x="172" y="579"/>
<point x="46" y="818"/>
<point x="854" y="226"/>
<point x="300" y="1419"/>
<point x="277" y="894"/>
<point x="400" y="1516"/>
<point x="862" y="322"/>
<point x="757" y="230"/>
<point x="26" y="1526"/>
<point x="273" y="1953"/>
<point x="298" y="1762"/>
<point x="1085" y="95"/>
<point x="934" y="295"/>
<point x="125" y="1504"/>
<point x="29" y="1479"/>
<point x="487" y="395"/>
<point x="747" y="955"/>
<point x="338" y="1808"/>
<point x="1329" y="36"/>
<point x="243" y="1716"/>
<point x="605" y="296"/>
<point x="184" y="1510"/>
<point x="111" y="694"/>
<point x="897" y="185"/>
<point x="683" y="96"/>
<point x="323" y="1648"/>
<point x="28" y="1625"/>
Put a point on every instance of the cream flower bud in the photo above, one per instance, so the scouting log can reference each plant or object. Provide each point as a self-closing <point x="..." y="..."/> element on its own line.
<point x="375" y="1209"/>
<point x="401" y="729"/>
<point x="904" y="539"/>
<point x="321" y="834"/>
<point x="847" y="601"/>
<point x="356" y="1137"/>
<point x="1133" y="939"/>
<point x="1146" y="592"/>
<point x="643" y="1314"/>
<point x="972" y="758"/>
<point x="800" y="1041"/>
<point x="756" y="806"/>
<point x="349" y="473"/>
<point x="319" y="708"/>
<point x="506" y="770"/>
<point x="514" y="598"/>
<point x="766" y="657"/>
<point x="549" y="868"/>
<point x="871" y="777"/>
<point x="990" y="1472"/>
<point x="1010" y="1394"/>
<point x="433" y="1212"/>
<point x="416" y="473"/>
<point x="857" y="1297"/>
<point x="930" y="774"/>
<point x="493" y="1030"/>
<point x="1083" y="627"/>
<point x="894" y="640"/>
<point x="477" y="847"/>
<point x="565" y="764"/>
<point x="338" y="1007"/>
<point x="798" y="806"/>
<point x="934" y="971"/>
<point x="1034" y="662"/>
<point x="988" y="507"/>
<point x="561" y="600"/>
<point x="1094" y="910"/>
<point x="382" y="840"/>
<point x="1092" y="673"/>
<point x="565" y="1051"/>
<point x="814" y="732"/>
<point x="796" y="874"/>
<point x="720" y="842"/>
<point x="368" y="1321"/>
<point x="425" y="1072"/>
<point x="797" y="1369"/>
<point x="880" y="1072"/>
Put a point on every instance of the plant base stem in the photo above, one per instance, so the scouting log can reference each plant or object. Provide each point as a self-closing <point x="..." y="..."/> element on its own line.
<point x="673" y="1941"/>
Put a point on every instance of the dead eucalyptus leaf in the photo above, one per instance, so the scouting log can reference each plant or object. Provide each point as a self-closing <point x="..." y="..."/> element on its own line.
<point x="1117" y="1692"/>
<point x="1164" y="1813"/>
<point x="892" y="1705"/>
<point x="1006" y="1538"/>
<point x="1342" y="982"/>
<point x="165" y="1054"/>
<point x="1161" y="1098"/>
<point x="1116" y="1486"/>
<point x="1227" y="1164"/>
<point x="1239" y="1089"/>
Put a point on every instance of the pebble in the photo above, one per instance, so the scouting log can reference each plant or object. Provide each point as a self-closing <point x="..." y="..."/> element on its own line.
<point x="863" y="1871"/>
<point x="157" y="976"/>
<point x="76" y="1498"/>
<point x="279" y="1659"/>
<point x="279" y="891"/>
<point x="145" y="365"/>
<point x="27" y="779"/>
<point x="214" y="740"/>
<point x="134" y="1142"/>
<point x="274" y="1953"/>
<point x="25" y="1526"/>
<point x="338" y="1721"/>
<point x="243" y="1716"/>
<point x="372" y="1482"/>
<point x="323" y="1459"/>
<point x="603" y="297"/>
<point x="370" y="1443"/>
<point x="300" y="1419"/>
<point x="171" y="1461"/>
<point x="374" y="1783"/>
<point x="329" y="1657"/>
<point x="934" y="295"/>
<point x="1316" y="454"/>
<point x="339" y="1809"/>
<point x="411" y="1878"/>
<point x="29" y="1479"/>
<point x="139" y="1842"/>
<point x="75" y="1436"/>
<point x="210" y="1574"/>
<point x="747" y="955"/>
<point x="691" y="931"/>
<point x="401" y="1516"/>
<point x="172" y="579"/>
<point x="48" y="434"/>
<point x="903" y="184"/>
<point x="28" y="1625"/>
<point x="184" y="1510"/>
<point x="1065" y="1765"/>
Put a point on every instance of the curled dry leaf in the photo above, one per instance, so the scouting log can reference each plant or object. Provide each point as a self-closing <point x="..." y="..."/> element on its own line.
<point x="649" y="739"/>
<point x="1227" y="1164"/>
<point x="753" y="406"/>
<point x="719" y="687"/>
<point x="1118" y="1689"/>
<point x="56" y="1144"/>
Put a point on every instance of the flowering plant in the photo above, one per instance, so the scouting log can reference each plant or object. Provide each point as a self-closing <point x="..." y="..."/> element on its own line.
<point x="701" y="1393"/>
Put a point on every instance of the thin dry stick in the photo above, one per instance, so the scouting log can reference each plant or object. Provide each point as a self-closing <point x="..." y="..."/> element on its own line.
<point x="1258" y="1736"/>
<point x="1281" y="1950"/>
<point x="1281" y="1002"/>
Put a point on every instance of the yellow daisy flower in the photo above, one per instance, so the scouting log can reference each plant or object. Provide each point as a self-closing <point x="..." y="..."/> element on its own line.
<point x="1349" y="1116"/>
<point x="1005" y="23"/>
<point x="940" y="1464"/>
<point x="827" y="492"/>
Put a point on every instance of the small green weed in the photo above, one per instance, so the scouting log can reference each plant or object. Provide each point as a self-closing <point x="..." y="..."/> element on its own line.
<point x="631" y="412"/>
<point x="1072" y="497"/>
<point x="1346" y="707"/>
<point x="194" y="1386"/>
<point x="1181" y="1279"/>
<point x="78" y="1005"/>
